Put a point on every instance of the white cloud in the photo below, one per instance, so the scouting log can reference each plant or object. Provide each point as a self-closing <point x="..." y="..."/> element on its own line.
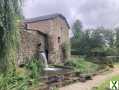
<point x="91" y="12"/>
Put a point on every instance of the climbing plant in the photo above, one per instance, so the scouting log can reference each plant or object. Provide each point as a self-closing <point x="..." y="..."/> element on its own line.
<point x="9" y="34"/>
<point x="66" y="49"/>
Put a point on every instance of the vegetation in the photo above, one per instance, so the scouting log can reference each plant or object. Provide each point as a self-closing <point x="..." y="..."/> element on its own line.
<point x="9" y="34"/>
<point x="95" y="43"/>
<point x="81" y="65"/>
<point x="66" y="49"/>
<point x="99" y="42"/>
<point x="35" y="67"/>
<point x="22" y="78"/>
<point x="77" y="29"/>
<point x="105" y="85"/>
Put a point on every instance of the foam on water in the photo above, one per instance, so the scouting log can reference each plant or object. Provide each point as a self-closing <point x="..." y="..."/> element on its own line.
<point x="47" y="68"/>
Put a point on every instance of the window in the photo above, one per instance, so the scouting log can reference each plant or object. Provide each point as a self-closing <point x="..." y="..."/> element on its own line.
<point x="59" y="40"/>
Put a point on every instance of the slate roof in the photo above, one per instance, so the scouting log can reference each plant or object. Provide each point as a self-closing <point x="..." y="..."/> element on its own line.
<point x="46" y="17"/>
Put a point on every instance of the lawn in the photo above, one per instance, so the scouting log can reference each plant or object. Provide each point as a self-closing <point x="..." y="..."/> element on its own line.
<point x="106" y="83"/>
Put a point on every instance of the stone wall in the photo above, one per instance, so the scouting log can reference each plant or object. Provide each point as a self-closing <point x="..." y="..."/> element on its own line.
<point x="62" y="31"/>
<point x="57" y="33"/>
<point x="29" y="43"/>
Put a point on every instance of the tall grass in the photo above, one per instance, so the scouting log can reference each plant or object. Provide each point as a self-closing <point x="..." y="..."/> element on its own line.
<point x="12" y="81"/>
<point x="81" y="65"/>
<point x="21" y="78"/>
<point x="35" y="66"/>
<point x="9" y="34"/>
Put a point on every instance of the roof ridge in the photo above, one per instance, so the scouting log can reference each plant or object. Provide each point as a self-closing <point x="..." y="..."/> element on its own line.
<point x="46" y="17"/>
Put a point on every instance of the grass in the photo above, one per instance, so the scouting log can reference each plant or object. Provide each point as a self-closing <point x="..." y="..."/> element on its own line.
<point x="106" y="83"/>
<point x="21" y="78"/>
<point x="81" y="65"/>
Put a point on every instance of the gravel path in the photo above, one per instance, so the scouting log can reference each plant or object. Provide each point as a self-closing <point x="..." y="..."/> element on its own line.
<point x="88" y="85"/>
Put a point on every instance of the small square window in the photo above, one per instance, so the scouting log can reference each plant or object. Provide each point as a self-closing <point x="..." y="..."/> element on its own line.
<point x="59" y="40"/>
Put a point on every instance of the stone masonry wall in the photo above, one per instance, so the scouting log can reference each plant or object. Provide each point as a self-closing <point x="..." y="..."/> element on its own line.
<point x="54" y="29"/>
<point x="30" y="41"/>
<point x="62" y="32"/>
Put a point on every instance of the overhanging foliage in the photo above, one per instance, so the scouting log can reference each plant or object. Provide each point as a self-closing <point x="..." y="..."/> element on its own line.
<point x="9" y="34"/>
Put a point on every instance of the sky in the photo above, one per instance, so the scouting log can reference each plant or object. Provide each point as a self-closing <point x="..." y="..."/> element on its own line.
<point x="92" y="13"/>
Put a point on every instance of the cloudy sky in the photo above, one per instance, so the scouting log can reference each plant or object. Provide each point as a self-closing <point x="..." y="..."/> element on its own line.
<point x="92" y="13"/>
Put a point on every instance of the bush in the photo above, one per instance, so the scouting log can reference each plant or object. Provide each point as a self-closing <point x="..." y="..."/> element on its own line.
<point x="75" y="52"/>
<point x="81" y="65"/>
<point x="66" y="50"/>
<point x="35" y="67"/>
<point x="12" y="81"/>
<point x="22" y="78"/>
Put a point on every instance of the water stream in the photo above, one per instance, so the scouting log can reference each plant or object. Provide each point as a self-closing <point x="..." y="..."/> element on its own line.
<point x="47" y="68"/>
<point x="45" y="59"/>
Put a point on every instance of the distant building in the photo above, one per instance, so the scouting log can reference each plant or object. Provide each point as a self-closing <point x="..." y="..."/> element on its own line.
<point x="49" y="34"/>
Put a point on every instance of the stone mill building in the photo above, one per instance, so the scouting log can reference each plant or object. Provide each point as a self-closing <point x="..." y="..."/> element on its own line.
<point x="48" y="34"/>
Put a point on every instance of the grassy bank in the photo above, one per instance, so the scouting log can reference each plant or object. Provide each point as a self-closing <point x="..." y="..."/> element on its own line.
<point x="81" y="65"/>
<point x="106" y="84"/>
<point x="23" y="78"/>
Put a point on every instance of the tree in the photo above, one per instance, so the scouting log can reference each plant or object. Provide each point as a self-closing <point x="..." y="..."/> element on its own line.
<point x="77" y="29"/>
<point x="91" y="42"/>
<point x="82" y="46"/>
<point x="9" y="34"/>
<point x="97" y="38"/>
<point x="117" y="39"/>
<point x="108" y="36"/>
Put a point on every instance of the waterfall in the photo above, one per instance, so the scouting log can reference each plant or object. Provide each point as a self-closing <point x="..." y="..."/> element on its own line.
<point x="47" y="68"/>
<point x="45" y="59"/>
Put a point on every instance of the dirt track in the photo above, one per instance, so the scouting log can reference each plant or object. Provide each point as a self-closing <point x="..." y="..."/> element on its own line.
<point x="88" y="85"/>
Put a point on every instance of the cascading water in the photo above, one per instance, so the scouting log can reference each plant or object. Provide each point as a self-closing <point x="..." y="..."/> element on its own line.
<point x="45" y="59"/>
<point x="47" y="68"/>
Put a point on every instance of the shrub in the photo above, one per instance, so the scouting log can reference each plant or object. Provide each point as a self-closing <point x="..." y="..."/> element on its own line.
<point x="35" y="67"/>
<point x="66" y="49"/>
<point x="81" y="65"/>
<point x="12" y="81"/>
<point x="21" y="78"/>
